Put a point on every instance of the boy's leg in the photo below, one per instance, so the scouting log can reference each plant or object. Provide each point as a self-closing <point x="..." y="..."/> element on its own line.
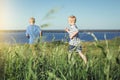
<point x="83" y="57"/>
<point x="79" y="50"/>
<point x="70" y="49"/>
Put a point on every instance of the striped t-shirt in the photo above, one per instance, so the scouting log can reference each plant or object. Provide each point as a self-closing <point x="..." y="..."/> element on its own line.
<point x="75" y="41"/>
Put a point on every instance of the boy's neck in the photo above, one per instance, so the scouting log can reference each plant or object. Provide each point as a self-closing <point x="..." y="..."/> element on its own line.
<point x="72" y="24"/>
<point x="31" y="23"/>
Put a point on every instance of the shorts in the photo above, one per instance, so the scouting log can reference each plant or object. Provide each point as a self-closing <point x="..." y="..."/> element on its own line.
<point x="75" y="48"/>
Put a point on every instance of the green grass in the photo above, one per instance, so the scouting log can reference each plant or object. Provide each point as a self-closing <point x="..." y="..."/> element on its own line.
<point x="49" y="61"/>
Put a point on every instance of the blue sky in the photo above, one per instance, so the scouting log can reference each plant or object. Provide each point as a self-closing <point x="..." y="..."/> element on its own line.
<point x="91" y="14"/>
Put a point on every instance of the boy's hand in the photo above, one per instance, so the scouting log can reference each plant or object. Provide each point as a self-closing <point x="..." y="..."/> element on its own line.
<point x="28" y="36"/>
<point x="71" y="36"/>
<point x="66" y="29"/>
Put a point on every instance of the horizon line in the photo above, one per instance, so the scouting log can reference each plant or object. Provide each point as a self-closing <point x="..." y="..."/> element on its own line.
<point x="54" y="30"/>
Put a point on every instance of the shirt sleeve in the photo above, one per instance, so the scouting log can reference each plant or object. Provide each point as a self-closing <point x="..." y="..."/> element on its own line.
<point x="39" y="30"/>
<point x="75" y="29"/>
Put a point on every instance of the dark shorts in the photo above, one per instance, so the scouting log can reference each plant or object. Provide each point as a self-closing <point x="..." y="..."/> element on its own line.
<point x="74" y="48"/>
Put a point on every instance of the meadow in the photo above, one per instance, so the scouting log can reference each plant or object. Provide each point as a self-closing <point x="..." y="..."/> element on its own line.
<point x="52" y="61"/>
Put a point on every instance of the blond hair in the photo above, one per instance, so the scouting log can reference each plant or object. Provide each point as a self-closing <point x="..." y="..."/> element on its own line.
<point x="32" y="19"/>
<point x="73" y="18"/>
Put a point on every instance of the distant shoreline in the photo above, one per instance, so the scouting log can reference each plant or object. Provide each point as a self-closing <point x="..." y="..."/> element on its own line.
<point x="82" y="30"/>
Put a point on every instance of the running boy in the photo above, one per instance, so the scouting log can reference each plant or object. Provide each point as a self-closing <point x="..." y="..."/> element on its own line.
<point x="33" y="32"/>
<point x="74" y="43"/>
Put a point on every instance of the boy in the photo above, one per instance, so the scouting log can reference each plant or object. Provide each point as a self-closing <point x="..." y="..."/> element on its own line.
<point x="33" y="32"/>
<point x="74" y="43"/>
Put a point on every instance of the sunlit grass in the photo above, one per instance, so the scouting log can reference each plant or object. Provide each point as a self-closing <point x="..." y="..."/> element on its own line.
<point x="50" y="61"/>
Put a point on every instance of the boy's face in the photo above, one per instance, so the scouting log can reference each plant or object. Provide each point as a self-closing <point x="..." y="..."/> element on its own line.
<point x="31" y="21"/>
<point x="71" y="21"/>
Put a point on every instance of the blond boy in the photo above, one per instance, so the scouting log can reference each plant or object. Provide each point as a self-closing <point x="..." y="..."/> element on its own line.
<point x="74" y="43"/>
<point x="33" y="32"/>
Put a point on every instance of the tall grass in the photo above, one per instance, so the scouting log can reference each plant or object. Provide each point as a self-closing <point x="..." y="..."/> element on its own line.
<point x="49" y="61"/>
<point x="109" y="55"/>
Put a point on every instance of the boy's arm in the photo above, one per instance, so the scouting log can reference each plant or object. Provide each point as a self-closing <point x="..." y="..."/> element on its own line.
<point x="40" y="33"/>
<point x="67" y="30"/>
<point x="27" y="33"/>
<point x="74" y="34"/>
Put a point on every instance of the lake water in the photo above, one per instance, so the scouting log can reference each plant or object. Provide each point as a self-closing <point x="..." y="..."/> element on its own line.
<point x="48" y="36"/>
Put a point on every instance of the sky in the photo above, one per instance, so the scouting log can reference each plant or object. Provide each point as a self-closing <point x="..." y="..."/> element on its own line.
<point x="91" y="14"/>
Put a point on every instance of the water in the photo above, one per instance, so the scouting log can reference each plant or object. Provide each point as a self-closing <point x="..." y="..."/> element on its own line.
<point x="48" y="36"/>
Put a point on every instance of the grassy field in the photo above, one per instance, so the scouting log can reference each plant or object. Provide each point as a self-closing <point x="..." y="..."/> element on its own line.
<point x="51" y="61"/>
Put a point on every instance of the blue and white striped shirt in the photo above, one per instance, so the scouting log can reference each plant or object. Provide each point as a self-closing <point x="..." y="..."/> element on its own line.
<point x="75" y="41"/>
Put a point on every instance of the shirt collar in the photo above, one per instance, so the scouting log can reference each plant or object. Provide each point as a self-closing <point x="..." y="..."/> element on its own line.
<point x="72" y="26"/>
